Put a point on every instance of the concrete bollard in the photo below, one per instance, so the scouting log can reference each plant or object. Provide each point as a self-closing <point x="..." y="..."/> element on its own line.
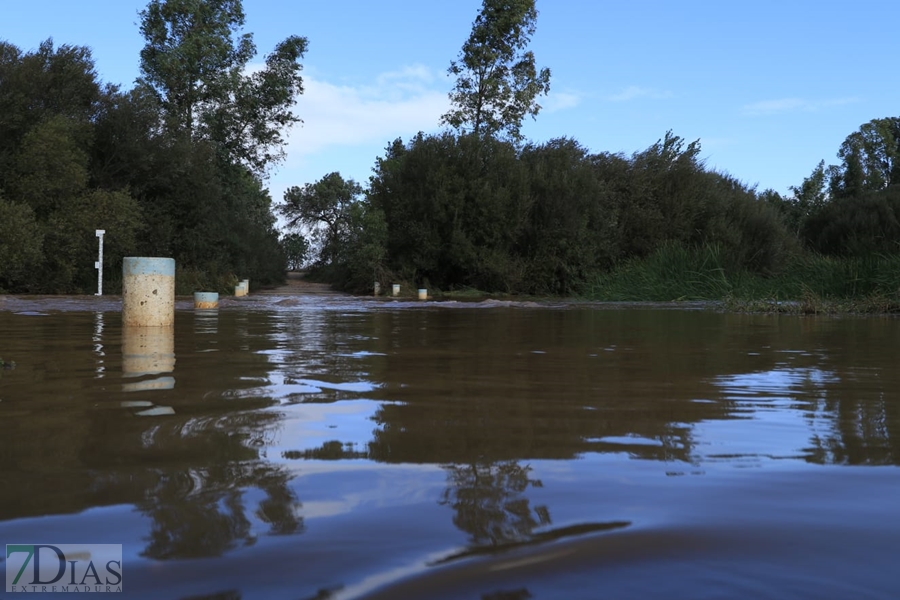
<point x="148" y="351"/>
<point x="395" y="289"/>
<point x="240" y="290"/>
<point x="148" y="292"/>
<point x="423" y="294"/>
<point x="203" y="300"/>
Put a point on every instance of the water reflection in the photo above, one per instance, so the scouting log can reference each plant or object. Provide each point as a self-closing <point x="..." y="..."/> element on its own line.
<point x="148" y="351"/>
<point x="98" y="344"/>
<point x="478" y="400"/>
<point x="489" y="502"/>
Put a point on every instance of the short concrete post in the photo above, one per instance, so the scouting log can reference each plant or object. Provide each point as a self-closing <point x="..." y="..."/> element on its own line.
<point x="148" y="292"/>
<point x="204" y="300"/>
<point x="423" y="294"/>
<point x="395" y="289"/>
<point x="377" y="288"/>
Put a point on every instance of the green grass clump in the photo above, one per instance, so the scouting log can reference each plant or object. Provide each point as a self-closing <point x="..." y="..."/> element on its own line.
<point x="807" y="283"/>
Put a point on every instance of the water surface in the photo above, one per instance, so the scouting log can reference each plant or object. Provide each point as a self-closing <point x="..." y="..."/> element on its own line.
<point x="331" y="447"/>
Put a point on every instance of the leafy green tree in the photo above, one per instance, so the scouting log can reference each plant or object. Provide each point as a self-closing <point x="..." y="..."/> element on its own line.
<point x="70" y="242"/>
<point x="870" y="159"/>
<point x="326" y="202"/>
<point x="454" y="206"/>
<point x="809" y="197"/>
<point x="660" y="194"/>
<point x="195" y="60"/>
<point x="48" y="84"/>
<point x="497" y="82"/>
<point x="362" y="253"/>
<point x="349" y="231"/>
<point x="20" y="244"/>
<point x="296" y="249"/>
<point x="50" y="168"/>
<point x="571" y="231"/>
<point x="860" y="225"/>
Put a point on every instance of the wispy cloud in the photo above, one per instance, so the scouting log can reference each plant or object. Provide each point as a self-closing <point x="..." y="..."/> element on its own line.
<point x="786" y="105"/>
<point x="634" y="92"/>
<point x="398" y="103"/>
<point x="557" y="101"/>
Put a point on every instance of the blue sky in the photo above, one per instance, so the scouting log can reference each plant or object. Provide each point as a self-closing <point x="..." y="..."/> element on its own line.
<point x="769" y="87"/>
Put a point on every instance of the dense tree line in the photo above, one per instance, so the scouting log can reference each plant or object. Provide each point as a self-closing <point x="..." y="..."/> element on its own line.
<point x="176" y="167"/>
<point x="480" y="207"/>
<point x="173" y="167"/>
<point x="462" y="211"/>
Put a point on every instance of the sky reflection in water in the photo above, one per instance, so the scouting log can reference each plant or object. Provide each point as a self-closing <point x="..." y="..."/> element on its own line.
<point x="288" y="450"/>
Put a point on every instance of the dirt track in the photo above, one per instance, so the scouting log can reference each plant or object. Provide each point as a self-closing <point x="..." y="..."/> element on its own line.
<point x="296" y="285"/>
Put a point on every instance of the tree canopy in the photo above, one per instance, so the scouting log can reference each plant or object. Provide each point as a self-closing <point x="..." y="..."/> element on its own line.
<point x="173" y="167"/>
<point x="195" y="59"/>
<point x="497" y="83"/>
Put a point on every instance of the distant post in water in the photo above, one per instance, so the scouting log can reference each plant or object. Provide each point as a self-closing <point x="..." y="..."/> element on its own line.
<point x="242" y="288"/>
<point x="148" y="292"/>
<point x="99" y="264"/>
<point x="205" y="300"/>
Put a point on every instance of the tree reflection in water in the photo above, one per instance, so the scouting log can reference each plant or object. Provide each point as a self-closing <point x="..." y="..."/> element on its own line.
<point x="201" y="511"/>
<point x="489" y="502"/>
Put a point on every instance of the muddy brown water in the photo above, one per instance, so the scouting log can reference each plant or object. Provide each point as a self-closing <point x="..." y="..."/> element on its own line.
<point x="309" y="445"/>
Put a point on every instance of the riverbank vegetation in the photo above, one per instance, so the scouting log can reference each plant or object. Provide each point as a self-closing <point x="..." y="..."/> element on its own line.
<point x="173" y="167"/>
<point x="480" y="208"/>
<point x="176" y="167"/>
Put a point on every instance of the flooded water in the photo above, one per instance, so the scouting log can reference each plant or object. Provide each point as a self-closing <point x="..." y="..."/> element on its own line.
<point x="332" y="447"/>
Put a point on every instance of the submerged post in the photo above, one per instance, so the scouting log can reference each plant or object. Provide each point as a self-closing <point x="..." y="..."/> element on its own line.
<point x="99" y="264"/>
<point x="148" y="292"/>
<point x="204" y="300"/>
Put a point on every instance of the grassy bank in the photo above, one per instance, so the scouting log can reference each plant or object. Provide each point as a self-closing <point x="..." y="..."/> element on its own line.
<point x="808" y="283"/>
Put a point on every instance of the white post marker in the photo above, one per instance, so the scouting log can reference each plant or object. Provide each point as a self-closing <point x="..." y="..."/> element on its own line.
<point x="99" y="264"/>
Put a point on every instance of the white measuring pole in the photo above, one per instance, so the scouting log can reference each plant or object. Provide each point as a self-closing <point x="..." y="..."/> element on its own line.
<point x="99" y="264"/>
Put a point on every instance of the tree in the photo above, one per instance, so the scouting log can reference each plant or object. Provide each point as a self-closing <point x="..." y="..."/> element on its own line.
<point x="195" y="59"/>
<point x="352" y="241"/>
<point x="572" y="227"/>
<point x="454" y="206"/>
<point x="496" y="79"/>
<point x="327" y="202"/>
<point x="296" y="248"/>
<point x="20" y="243"/>
<point x="870" y="159"/>
<point x="46" y="84"/>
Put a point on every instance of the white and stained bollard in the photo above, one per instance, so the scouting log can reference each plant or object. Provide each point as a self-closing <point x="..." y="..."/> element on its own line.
<point x="148" y="292"/>
<point x="395" y="289"/>
<point x="206" y="300"/>
<point x="423" y="294"/>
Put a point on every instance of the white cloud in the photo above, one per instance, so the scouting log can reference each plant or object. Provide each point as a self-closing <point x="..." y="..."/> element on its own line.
<point x="783" y="105"/>
<point x="399" y="103"/>
<point x="557" y="101"/>
<point x="346" y="126"/>
<point x="633" y="92"/>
